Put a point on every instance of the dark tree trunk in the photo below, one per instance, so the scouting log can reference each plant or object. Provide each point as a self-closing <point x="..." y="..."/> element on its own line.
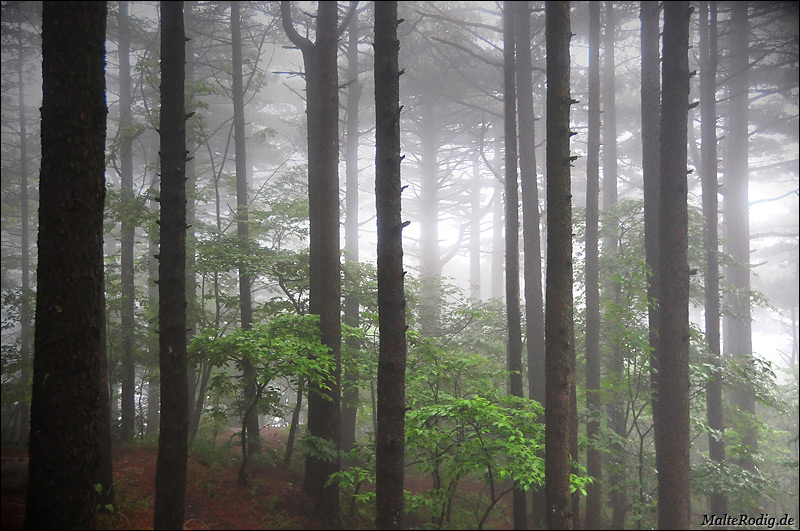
<point x="323" y="190"/>
<point x="242" y="227"/>
<point x="672" y="459"/>
<point x="559" y="361"/>
<point x="534" y="307"/>
<point x="170" y="489"/>
<point x="650" y="98"/>
<point x="390" y="439"/>
<point x="513" y="318"/>
<point x="128" y="230"/>
<point x="594" y="457"/>
<point x="298" y="406"/>
<point x="68" y="342"/>
<point x="351" y="306"/>
<point x="737" y="334"/>
<point x="718" y="502"/>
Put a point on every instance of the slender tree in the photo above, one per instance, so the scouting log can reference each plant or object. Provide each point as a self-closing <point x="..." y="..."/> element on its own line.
<point x="251" y="430"/>
<point x="127" y="315"/>
<point x="650" y="110"/>
<point x="559" y="360"/>
<point x="170" y="488"/>
<point x="351" y="306"/>
<point x="68" y="341"/>
<point x="322" y="114"/>
<point x="594" y="457"/>
<point x="534" y="305"/>
<point x="718" y="502"/>
<point x="672" y="432"/>
<point x="737" y="334"/>
<point x="389" y="444"/>
<point x="513" y="317"/>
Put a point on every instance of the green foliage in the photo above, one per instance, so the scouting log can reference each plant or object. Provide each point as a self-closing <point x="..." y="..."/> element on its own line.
<point x="288" y="346"/>
<point x="495" y="438"/>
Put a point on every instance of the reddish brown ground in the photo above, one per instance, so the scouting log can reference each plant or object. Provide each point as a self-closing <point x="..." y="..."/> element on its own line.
<point x="273" y="499"/>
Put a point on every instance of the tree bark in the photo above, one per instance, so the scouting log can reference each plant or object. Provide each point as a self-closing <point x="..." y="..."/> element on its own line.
<point x="672" y="457"/>
<point x="559" y="361"/>
<point x="737" y="334"/>
<point x="351" y="306"/>
<point x="718" y="502"/>
<point x="68" y="341"/>
<point x="170" y="488"/>
<point x="324" y="291"/>
<point x="390" y="439"/>
<point x="594" y="458"/>
<point x="534" y="305"/>
<point x="650" y="110"/>
<point x="242" y="226"/>
<point x="513" y="318"/>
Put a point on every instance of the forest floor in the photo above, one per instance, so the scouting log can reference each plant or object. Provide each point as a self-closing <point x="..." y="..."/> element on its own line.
<point x="273" y="498"/>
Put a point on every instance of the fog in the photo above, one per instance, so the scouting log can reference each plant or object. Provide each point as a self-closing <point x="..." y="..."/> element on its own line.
<point x="453" y="173"/>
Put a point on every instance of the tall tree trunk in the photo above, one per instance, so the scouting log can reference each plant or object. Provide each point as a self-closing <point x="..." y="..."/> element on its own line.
<point x="351" y="306"/>
<point x="650" y="110"/>
<point x="242" y="227"/>
<point x="128" y="229"/>
<point x="594" y="457"/>
<point x="153" y="394"/>
<point x="68" y="342"/>
<point x="498" y="269"/>
<point x="390" y="439"/>
<point x="324" y="291"/>
<point x="170" y="488"/>
<point x="672" y="459"/>
<point x="513" y="317"/>
<point x="559" y="360"/>
<point x="737" y="335"/>
<point x="616" y="406"/>
<point x="718" y="502"/>
<point x="25" y="307"/>
<point x="475" y="215"/>
<point x="430" y="262"/>
<point x="534" y="307"/>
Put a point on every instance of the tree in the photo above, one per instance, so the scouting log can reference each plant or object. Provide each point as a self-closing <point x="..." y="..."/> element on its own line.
<point x="737" y="334"/>
<point x="128" y="228"/>
<point x="650" y="110"/>
<point x="65" y="405"/>
<point x="390" y="438"/>
<point x="351" y="305"/>
<point x="534" y="307"/>
<point x="594" y="458"/>
<point x="322" y="114"/>
<point x="718" y="503"/>
<point x="170" y="488"/>
<point x="559" y="360"/>
<point x="672" y="432"/>
<point x="242" y="228"/>
<point x="513" y="318"/>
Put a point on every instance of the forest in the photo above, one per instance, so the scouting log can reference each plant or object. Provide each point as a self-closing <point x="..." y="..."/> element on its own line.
<point x="400" y="265"/>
